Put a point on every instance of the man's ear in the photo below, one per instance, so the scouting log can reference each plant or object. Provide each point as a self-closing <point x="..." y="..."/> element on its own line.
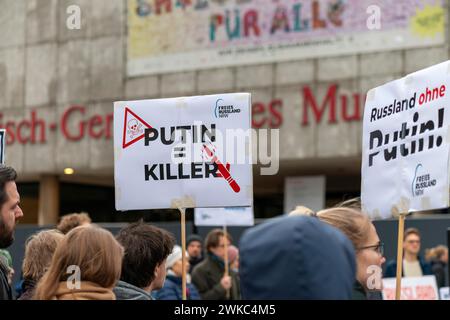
<point x="158" y="267"/>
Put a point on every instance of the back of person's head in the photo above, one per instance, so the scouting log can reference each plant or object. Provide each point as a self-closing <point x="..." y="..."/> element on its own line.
<point x="436" y="253"/>
<point x="39" y="250"/>
<point x="213" y="238"/>
<point x="73" y="220"/>
<point x="146" y="247"/>
<point x="353" y="203"/>
<point x="300" y="211"/>
<point x="296" y="258"/>
<point x="93" y="250"/>
<point x="411" y="231"/>
<point x="351" y="221"/>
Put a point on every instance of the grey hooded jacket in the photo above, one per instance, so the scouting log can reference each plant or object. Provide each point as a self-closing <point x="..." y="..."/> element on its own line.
<point x="126" y="291"/>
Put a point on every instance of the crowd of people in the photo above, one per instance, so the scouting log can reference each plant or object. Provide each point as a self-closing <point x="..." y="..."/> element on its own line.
<point x="303" y="255"/>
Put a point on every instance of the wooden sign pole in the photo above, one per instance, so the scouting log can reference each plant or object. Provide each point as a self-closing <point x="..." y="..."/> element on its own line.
<point x="183" y="249"/>
<point x="225" y="259"/>
<point x="401" y="229"/>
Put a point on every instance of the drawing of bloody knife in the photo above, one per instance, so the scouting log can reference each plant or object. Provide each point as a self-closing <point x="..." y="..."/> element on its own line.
<point x="222" y="169"/>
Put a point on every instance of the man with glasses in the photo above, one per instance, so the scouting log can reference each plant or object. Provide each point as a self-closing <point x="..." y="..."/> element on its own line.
<point x="413" y="264"/>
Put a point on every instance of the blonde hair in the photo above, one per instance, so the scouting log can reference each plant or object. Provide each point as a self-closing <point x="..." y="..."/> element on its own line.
<point x="39" y="249"/>
<point x="94" y="250"/>
<point x="354" y="203"/>
<point x="352" y="222"/>
<point x="435" y="253"/>
<point x="73" y="220"/>
<point x="302" y="211"/>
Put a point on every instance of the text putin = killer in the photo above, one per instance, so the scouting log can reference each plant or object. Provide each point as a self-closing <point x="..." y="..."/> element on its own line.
<point x="201" y="135"/>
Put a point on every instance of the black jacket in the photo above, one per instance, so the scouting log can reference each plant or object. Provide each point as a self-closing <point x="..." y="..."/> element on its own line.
<point x="206" y="278"/>
<point x="194" y="261"/>
<point x="439" y="269"/>
<point x="358" y="292"/>
<point x="5" y="288"/>
<point x="28" y="289"/>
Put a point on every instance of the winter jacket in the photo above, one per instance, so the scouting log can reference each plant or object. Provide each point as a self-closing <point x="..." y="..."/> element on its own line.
<point x="439" y="269"/>
<point x="358" y="292"/>
<point x="28" y="288"/>
<point x="193" y="262"/>
<point x="5" y="288"/>
<point x="126" y="291"/>
<point x="206" y="278"/>
<point x="172" y="290"/>
<point x="391" y="268"/>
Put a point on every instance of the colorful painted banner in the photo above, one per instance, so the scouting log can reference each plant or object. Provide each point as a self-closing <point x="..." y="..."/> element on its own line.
<point x="178" y="35"/>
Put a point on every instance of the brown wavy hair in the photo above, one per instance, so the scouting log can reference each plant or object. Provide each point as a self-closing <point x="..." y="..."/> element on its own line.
<point x="435" y="253"/>
<point x="94" y="250"/>
<point x="73" y="220"/>
<point x="39" y="250"/>
<point x="213" y="238"/>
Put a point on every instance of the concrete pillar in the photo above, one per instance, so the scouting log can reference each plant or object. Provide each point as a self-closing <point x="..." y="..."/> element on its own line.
<point x="48" y="200"/>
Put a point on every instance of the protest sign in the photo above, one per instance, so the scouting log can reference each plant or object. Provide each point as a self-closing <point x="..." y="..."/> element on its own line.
<point x="444" y="293"/>
<point x="405" y="148"/>
<point x="230" y="216"/>
<point x="405" y="144"/>
<point x="183" y="152"/>
<point x="413" y="288"/>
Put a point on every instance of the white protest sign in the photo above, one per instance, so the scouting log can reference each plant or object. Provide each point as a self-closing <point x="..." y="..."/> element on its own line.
<point x="2" y="145"/>
<point x="230" y="216"/>
<point x="305" y="191"/>
<point x="413" y="288"/>
<point x="444" y="292"/>
<point x="405" y="144"/>
<point x="183" y="152"/>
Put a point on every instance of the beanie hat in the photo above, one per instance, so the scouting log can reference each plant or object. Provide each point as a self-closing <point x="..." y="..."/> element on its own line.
<point x="194" y="237"/>
<point x="174" y="256"/>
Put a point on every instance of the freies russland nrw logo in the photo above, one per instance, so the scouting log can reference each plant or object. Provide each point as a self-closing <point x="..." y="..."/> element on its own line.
<point x="223" y="110"/>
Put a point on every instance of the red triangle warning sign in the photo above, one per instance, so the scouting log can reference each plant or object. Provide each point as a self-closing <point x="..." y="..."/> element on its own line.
<point x="133" y="128"/>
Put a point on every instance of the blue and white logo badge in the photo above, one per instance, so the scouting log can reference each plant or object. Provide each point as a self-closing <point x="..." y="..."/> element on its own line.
<point x="421" y="181"/>
<point x="222" y="110"/>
